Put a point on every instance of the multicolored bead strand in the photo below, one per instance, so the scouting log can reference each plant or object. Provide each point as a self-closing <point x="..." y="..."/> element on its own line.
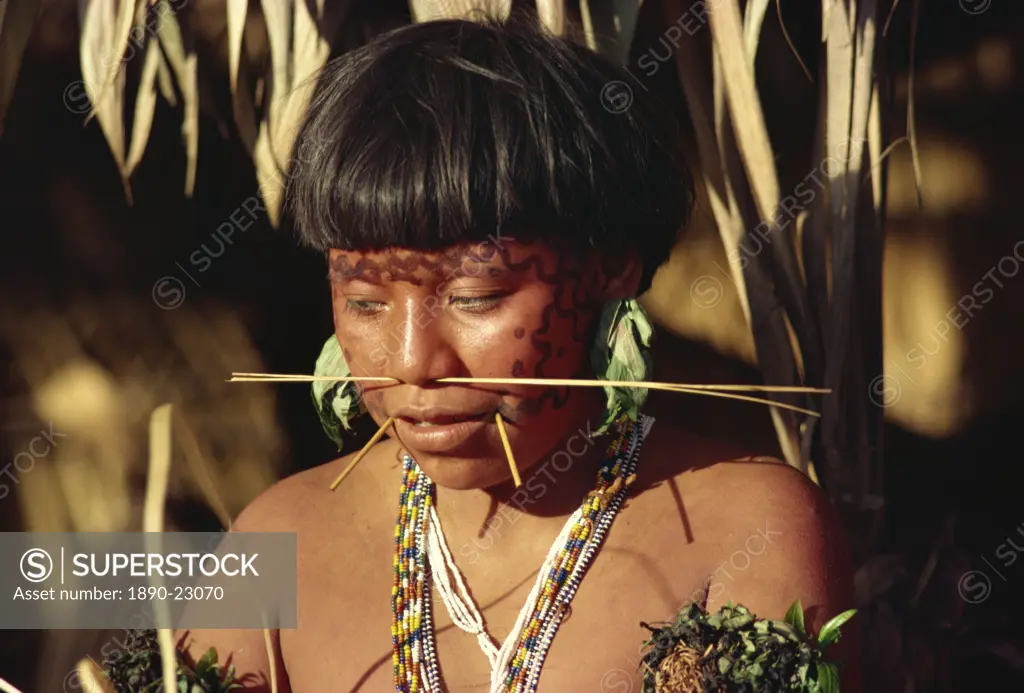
<point x="409" y="578"/>
<point x="534" y="645"/>
<point x="573" y="583"/>
<point x="414" y="657"/>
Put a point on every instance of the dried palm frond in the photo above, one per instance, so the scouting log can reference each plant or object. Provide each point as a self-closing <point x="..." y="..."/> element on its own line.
<point x="429" y="10"/>
<point x="300" y="36"/>
<point x="151" y="659"/>
<point x="104" y="84"/>
<point x="92" y="678"/>
<point x="718" y="80"/>
<point x="179" y="47"/>
<point x="552" y="15"/>
<point x="243" y="99"/>
<point x="753" y="19"/>
<point x="820" y="273"/>
<point x="911" y="120"/>
<point x="7" y="688"/>
<point x="125" y="13"/>
<point x="153" y="523"/>
<point x="609" y="26"/>
<point x="145" y="108"/>
<point x="109" y="28"/>
<point x="97" y="388"/>
<point x="851" y="421"/>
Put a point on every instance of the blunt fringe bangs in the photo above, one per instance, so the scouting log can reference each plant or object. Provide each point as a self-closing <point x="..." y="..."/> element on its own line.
<point x="451" y="131"/>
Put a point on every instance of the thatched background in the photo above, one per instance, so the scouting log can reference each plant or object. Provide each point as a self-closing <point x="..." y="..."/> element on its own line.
<point x="87" y="349"/>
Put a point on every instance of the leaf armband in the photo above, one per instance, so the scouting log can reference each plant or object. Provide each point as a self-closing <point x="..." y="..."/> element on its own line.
<point x="138" y="668"/>
<point x="733" y="651"/>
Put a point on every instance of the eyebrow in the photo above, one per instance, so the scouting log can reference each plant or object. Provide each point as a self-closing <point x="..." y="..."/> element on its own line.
<point x="486" y="267"/>
<point x="447" y="267"/>
<point x="372" y="277"/>
<point x="338" y="270"/>
<point x="492" y="271"/>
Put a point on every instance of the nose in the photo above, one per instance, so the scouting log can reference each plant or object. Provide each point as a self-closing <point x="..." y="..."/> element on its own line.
<point x="418" y="345"/>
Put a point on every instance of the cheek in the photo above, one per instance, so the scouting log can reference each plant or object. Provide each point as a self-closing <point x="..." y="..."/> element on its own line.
<point x="365" y="357"/>
<point x="560" y="349"/>
<point x="373" y="400"/>
<point x="545" y="341"/>
<point x="368" y="348"/>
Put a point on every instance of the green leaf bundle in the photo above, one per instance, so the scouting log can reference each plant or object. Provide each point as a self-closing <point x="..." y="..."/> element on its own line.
<point x="733" y="651"/>
<point x="137" y="669"/>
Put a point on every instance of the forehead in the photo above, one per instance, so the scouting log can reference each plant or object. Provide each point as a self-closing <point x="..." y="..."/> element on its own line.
<point x="476" y="259"/>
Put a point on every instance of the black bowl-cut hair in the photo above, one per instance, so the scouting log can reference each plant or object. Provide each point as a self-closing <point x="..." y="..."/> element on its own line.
<point x="452" y="131"/>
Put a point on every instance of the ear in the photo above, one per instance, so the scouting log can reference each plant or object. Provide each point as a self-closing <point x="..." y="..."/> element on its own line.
<point x="621" y="275"/>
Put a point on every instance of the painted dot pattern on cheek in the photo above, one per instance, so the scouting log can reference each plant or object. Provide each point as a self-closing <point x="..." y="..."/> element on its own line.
<point x="567" y="316"/>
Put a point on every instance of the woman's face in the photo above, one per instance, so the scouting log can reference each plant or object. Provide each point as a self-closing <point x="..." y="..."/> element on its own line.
<point x="498" y="309"/>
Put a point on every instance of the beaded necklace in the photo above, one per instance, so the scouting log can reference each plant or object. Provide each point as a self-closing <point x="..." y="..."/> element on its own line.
<point x="420" y="548"/>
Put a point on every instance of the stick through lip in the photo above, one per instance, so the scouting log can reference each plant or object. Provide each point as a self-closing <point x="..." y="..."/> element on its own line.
<point x="508" y="450"/>
<point x="362" y="453"/>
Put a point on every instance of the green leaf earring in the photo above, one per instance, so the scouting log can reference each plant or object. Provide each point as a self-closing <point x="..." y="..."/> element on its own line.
<point x="621" y="351"/>
<point x="337" y="403"/>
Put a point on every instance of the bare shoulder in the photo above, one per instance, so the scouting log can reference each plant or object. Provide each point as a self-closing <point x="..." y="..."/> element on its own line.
<point x="305" y="502"/>
<point x="329" y="524"/>
<point x="726" y="492"/>
<point x="778" y="532"/>
<point x="755" y="487"/>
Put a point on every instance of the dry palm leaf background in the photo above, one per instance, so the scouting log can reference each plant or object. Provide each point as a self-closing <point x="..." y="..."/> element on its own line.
<point x="839" y="144"/>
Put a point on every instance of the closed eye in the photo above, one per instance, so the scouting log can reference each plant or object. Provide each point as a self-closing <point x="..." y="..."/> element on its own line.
<point x="364" y="307"/>
<point x="476" y="304"/>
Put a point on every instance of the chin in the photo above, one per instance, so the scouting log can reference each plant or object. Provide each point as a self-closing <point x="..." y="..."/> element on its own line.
<point x="460" y="474"/>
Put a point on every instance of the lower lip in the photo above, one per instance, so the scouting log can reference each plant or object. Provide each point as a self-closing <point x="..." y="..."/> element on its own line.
<point x="436" y="439"/>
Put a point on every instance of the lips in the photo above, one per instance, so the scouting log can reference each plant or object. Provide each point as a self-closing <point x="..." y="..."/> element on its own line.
<point x="441" y="420"/>
<point x="435" y="431"/>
